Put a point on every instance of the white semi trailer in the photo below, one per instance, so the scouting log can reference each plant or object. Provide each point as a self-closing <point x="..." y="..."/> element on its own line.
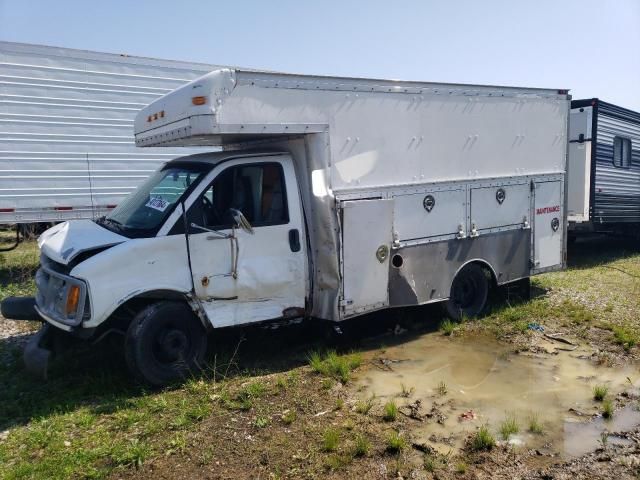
<point x="333" y="197"/>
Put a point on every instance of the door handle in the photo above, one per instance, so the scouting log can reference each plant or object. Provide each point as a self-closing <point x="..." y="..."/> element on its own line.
<point x="294" y="240"/>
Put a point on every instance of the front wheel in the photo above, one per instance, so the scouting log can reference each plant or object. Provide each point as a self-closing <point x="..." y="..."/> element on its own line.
<point x="469" y="293"/>
<point x="165" y="343"/>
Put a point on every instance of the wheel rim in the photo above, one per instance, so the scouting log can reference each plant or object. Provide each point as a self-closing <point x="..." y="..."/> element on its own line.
<point x="171" y="345"/>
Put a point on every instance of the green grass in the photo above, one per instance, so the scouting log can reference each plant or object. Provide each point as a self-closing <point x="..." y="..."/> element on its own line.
<point x="330" y="440"/>
<point x="461" y="468"/>
<point x="625" y="336"/>
<point x="600" y="392"/>
<point x="509" y="426"/>
<point x="430" y="463"/>
<point x="338" y="367"/>
<point x="262" y="422"/>
<point x="364" y="406"/>
<point x="289" y="417"/>
<point x="607" y="408"/>
<point x="448" y="327"/>
<point x="362" y="446"/>
<point x="395" y="442"/>
<point x="483" y="439"/>
<point x="18" y="267"/>
<point x="390" y="411"/>
<point x="535" y="425"/>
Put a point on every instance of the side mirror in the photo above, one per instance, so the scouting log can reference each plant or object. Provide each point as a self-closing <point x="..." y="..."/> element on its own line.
<point x="241" y="221"/>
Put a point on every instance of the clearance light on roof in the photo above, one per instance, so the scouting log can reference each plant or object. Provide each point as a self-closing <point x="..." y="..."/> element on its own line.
<point x="155" y="116"/>
<point x="198" y="100"/>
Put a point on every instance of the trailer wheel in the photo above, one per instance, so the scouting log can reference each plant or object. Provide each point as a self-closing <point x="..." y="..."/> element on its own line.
<point x="469" y="292"/>
<point x="165" y="343"/>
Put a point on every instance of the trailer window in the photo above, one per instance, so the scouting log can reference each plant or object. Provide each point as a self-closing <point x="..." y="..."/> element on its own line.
<point x="621" y="152"/>
<point x="257" y="190"/>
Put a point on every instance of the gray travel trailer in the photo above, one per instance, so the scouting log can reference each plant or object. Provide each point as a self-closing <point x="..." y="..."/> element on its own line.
<point x="603" y="187"/>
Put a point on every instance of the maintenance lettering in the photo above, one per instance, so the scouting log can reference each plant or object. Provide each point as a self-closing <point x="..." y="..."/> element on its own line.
<point x="544" y="210"/>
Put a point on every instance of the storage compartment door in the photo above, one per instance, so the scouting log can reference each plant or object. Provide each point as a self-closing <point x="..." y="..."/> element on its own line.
<point x="429" y="214"/>
<point x="500" y="206"/>
<point x="366" y="244"/>
<point x="548" y="225"/>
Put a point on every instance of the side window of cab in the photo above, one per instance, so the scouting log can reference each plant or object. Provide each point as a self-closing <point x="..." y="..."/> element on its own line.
<point x="257" y="190"/>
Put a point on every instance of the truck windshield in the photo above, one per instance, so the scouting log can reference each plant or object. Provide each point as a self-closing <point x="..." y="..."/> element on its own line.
<point x="143" y="212"/>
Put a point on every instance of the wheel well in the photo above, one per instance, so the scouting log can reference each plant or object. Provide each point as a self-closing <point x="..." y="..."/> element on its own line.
<point x="484" y="265"/>
<point x="122" y="316"/>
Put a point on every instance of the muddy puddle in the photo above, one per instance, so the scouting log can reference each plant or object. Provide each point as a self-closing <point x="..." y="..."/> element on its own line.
<point x="452" y="386"/>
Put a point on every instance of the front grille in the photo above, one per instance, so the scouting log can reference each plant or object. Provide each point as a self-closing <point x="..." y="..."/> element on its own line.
<point x="52" y="286"/>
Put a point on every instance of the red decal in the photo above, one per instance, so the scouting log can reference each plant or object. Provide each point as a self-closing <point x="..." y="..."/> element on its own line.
<point x="543" y="210"/>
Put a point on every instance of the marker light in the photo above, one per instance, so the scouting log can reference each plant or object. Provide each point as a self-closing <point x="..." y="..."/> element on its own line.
<point x="73" y="297"/>
<point x="198" y="100"/>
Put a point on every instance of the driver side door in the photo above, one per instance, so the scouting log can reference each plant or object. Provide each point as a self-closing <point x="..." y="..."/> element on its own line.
<point x="243" y="277"/>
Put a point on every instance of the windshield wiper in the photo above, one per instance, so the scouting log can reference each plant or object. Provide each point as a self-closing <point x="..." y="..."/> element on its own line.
<point x="116" y="224"/>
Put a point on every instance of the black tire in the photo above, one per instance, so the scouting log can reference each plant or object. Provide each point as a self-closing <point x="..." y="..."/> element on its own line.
<point x="165" y="343"/>
<point x="469" y="293"/>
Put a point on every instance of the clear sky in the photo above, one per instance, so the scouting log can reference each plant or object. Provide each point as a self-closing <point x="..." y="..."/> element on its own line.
<point x="589" y="46"/>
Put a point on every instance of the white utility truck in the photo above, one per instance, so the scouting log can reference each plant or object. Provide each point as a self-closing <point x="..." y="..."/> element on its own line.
<point x="332" y="197"/>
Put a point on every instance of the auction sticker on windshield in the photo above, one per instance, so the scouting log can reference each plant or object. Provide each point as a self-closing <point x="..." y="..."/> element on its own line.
<point x="157" y="203"/>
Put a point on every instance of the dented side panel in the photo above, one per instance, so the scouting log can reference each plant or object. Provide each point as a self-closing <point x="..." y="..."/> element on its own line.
<point x="426" y="271"/>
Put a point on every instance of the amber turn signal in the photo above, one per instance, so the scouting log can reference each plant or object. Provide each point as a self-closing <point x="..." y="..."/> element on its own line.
<point x="73" y="298"/>
<point x="198" y="100"/>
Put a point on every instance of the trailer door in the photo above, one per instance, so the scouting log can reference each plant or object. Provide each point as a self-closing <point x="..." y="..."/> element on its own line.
<point x="366" y="245"/>
<point x="548" y="225"/>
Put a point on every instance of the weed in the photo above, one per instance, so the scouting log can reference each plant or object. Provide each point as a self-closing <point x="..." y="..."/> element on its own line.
<point x="430" y="463"/>
<point x="327" y="383"/>
<point x="461" y="468"/>
<point x="395" y="442"/>
<point x="442" y="388"/>
<point x="390" y="412"/>
<point x="362" y="446"/>
<point x="289" y="416"/>
<point x="178" y="444"/>
<point x="364" y="406"/>
<point x="535" y="426"/>
<point x="600" y="392"/>
<point x="509" y="426"/>
<point x="245" y="397"/>
<point x="483" y="439"/>
<point x="335" y="366"/>
<point x="607" y="408"/>
<point x="448" y="327"/>
<point x="604" y="439"/>
<point x="262" y="422"/>
<point x="625" y="336"/>
<point x="133" y="453"/>
<point x="330" y="440"/>
<point x="406" y="391"/>
<point x="281" y="383"/>
<point x="206" y="457"/>
<point x="339" y="404"/>
<point x="337" y="462"/>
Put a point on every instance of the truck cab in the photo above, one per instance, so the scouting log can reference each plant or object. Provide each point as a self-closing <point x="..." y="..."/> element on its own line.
<point x="209" y="240"/>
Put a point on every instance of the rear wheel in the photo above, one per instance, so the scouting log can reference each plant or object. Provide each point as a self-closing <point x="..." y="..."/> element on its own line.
<point x="165" y="343"/>
<point x="469" y="292"/>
